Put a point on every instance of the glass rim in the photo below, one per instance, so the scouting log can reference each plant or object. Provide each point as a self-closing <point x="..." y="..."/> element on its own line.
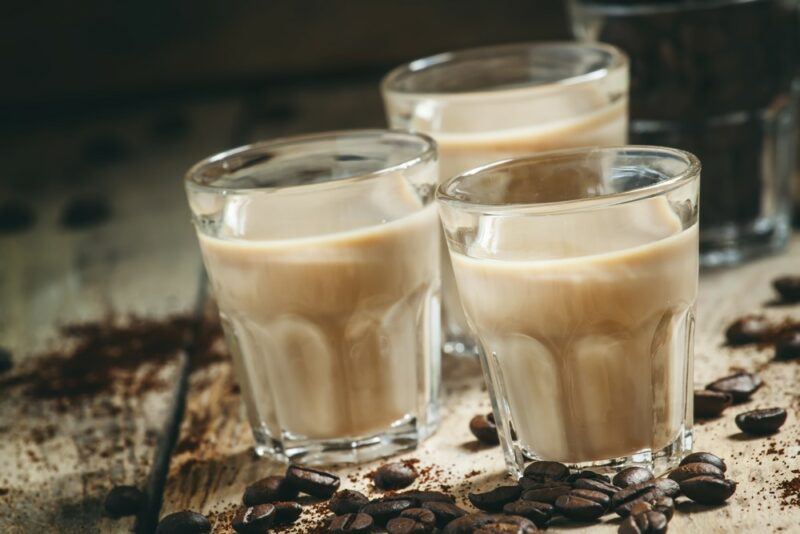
<point x="618" y="60"/>
<point x="427" y="152"/>
<point x="688" y="174"/>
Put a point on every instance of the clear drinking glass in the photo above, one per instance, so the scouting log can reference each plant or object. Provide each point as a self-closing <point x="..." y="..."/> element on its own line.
<point x="486" y="104"/>
<point x="323" y="254"/>
<point x="578" y="273"/>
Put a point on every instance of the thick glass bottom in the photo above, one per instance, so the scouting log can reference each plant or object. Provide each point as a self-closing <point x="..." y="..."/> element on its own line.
<point x="658" y="461"/>
<point x="402" y="436"/>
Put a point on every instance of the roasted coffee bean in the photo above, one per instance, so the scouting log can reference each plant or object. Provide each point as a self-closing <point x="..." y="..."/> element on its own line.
<point x="632" y="475"/>
<point x="708" y="490"/>
<point x="787" y="346"/>
<point x="467" y="524"/>
<point x="123" y="501"/>
<point x="484" y="429"/>
<point x="287" y="512"/>
<point x="685" y="471"/>
<point x="761" y="422"/>
<point x="538" y="512"/>
<point x="494" y="500"/>
<point x="596" y="485"/>
<point x="706" y="458"/>
<point x="424" y="496"/>
<point x="650" y="522"/>
<point x="788" y="287"/>
<point x="445" y="512"/>
<point x="546" y="471"/>
<point x="668" y="487"/>
<point x="6" y="360"/>
<point x="546" y="492"/>
<point x="312" y="481"/>
<point x="750" y="329"/>
<point x="255" y="519"/>
<point x="665" y="505"/>
<point x="579" y="508"/>
<point x="269" y="489"/>
<point x="406" y="525"/>
<point x="739" y="386"/>
<point x="347" y="502"/>
<point x="382" y="510"/>
<point x="596" y="496"/>
<point x="490" y="524"/>
<point x="589" y="475"/>
<point x="421" y="515"/>
<point x="394" y="475"/>
<point x="184" y="522"/>
<point x="351" y="523"/>
<point x="640" y="507"/>
<point x="708" y="404"/>
<point x="648" y="491"/>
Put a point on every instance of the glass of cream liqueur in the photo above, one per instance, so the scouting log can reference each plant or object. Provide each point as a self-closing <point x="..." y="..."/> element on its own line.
<point x="578" y="273"/>
<point x="323" y="255"/>
<point x="486" y="104"/>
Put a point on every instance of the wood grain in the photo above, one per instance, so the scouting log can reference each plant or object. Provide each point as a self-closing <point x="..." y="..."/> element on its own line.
<point x="210" y="471"/>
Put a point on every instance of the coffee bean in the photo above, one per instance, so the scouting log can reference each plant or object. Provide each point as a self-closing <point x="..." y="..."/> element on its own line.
<point x="640" y="507"/>
<point x="312" y="481"/>
<point x="287" y="512"/>
<point x="6" y="360"/>
<point x="394" y="475"/>
<point x="596" y="496"/>
<point x="546" y="492"/>
<point x="695" y="470"/>
<point x="255" y="519"/>
<point x="708" y="404"/>
<point x="351" y="523"/>
<point x="590" y="475"/>
<point x="632" y="475"/>
<point x="124" y="500"/>
<point x="761" y="422"/>
<point x="269" y="489"/>
<point x="424" y="496"/>
<point x="706" y="458"/>
<point x="484" y="429"/>
<point x="445" y="512"/>
<point x="546" y="471"/>
<point x="650" y="522"/>
<point x="750" y="329"/>
<point x="383" y="510"/>
<point x="579" y="508"/>
<point x="421" y="515"/>
<point x="788" y="287"/>
<point x="665" y="505"/>
<point x="668" y="487"/>
<point x="708" y="490"/>
<point x="739" y="386"/>
<point x="184" y="522"/>
<point x="406" y="525"/>
<point x="466" y="524"/>
<point x="347" y="502"/>
<point x="494" y="500"/>
<point x="538" y="512"/>
<point x="596" y="485"/>
<point x="787" y="346"/>
<point x="649" y="491"/>
<point x="490" y="524"/>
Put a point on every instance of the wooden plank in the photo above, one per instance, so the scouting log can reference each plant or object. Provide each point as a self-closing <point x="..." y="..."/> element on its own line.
<point x="213" y="462"/>
<point x="61" y="455"/>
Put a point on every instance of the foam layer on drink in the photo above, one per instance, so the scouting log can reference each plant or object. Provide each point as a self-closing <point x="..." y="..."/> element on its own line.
<point x="586" y="320"/>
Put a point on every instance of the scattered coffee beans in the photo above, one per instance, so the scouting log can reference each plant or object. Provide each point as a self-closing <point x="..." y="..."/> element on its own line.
<point x="546" y="471"/>
<point x="538" y="512"/>
<point x="123" y="501"/>
<point x="761" y="422"/>
<point x="685" y="471"/>
<point x="423" y="496"/>
<point x="420" y="515"/>
<point x="706" y="458"/>
<point x="184" y="522"/>
<point x="484" y="523"/>
<point x="347" y="502"/>
<point x="269" y="489"/>
<point x="6" y="360"/>
<point x="494" y="500"/>
<point x="708" y="404"/>
<point x="632" y="475"/>
<point x="406" y="525"/>
<point x="312" y="481"/>
<point x="739" y="386"/>
<point x="351" y="523"/>
<point x="484" y="429"/>
<point x="254" y="520"/>
<point x="649" y="522"/>
<point x="596" y="485"/>
<point x="708" y="489"/>
<point x="591" y="475"/>
<point x="788" y="287"/>
<point x="546" y="492"/>
<point x="394" y="475"/>
<point x="649" y="492"/>
<point x="287" y="512"/>
<point x="444" y="512"/>
<point x="382" y="510"/>
<point x="787" y="346"/>
<point x="750" y="329"/>
<point x="580" y="507"/>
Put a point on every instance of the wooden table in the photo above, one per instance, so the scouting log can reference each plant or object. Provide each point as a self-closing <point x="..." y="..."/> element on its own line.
<point x="187" y="443"/>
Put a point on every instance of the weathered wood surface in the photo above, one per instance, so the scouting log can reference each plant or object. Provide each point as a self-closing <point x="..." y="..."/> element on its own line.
<point x="58" y="458"/>
<point x="214" y="462"/>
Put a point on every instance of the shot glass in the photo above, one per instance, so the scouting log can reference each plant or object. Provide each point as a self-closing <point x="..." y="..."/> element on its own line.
<point x="323" y="255"/>
<point x="578" y="272"/>
<point x="487" y="104"/>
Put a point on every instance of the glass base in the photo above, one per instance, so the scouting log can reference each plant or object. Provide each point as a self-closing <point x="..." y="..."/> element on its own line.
<point x="658" y="462"/>
<point x="731" y="245"/>
<point x="402" y="436"/>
